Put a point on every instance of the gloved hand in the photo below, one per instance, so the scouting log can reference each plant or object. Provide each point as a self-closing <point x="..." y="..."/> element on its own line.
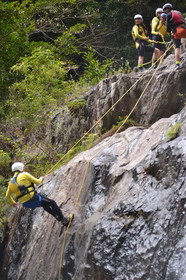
<point x="41" y="178"/>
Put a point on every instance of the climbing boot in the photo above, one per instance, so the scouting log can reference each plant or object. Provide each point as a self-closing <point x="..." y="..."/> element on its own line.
<point x="178" y="66"/>
<point x="141" y="69"/>
<point x="66" y="221"/>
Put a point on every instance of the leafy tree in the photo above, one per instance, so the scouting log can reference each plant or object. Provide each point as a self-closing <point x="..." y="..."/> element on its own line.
<point x="94" y="69"/>
<point x="14" y="43"/>
<point x="69" y="29"/>
<point x="43" y="81"/>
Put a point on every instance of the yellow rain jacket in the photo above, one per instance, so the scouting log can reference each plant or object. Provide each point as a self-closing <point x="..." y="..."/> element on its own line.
<point x="138" y="32"/>
<point x="23" y="178"/>
<point x="158" y="27"/>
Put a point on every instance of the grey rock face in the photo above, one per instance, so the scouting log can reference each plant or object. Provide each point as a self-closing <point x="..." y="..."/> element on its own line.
<point x="163" y="97"/>
<point x="183" y="46"/>
<point x="129" y="220"/>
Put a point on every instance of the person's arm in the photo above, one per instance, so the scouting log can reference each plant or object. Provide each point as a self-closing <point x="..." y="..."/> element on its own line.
<point x="135" y="31"/>
<point x="32" y="179"/>
<point x="9" y="197"/>
<point x="169" y="24"/>
<point x="154" y="24"/>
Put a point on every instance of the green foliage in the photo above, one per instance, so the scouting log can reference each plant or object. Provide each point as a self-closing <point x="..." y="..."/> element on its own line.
<point x="172" y="133"/>
<point x="94" y="69"/>
<point x="122" y="120"/>
<point x="4" y="206"/>
<point x="67" y="42"/>
<point x="43" y="82"/>
<point x="49" y="158"/>
<point x="14" y="43"/>
<point x="74" y="105"/>
<point x="124" y="68"/>
<point x="4" y="159"/>
<point x="75" y="32"/>
<point x="86" y="144"/>
<point x="119" y="126"/>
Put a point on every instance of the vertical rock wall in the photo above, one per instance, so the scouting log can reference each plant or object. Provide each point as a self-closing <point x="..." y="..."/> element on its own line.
<point x="130" y="218"/>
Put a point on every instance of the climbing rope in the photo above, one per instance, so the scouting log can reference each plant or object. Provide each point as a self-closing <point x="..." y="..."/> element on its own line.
<point x="168" y="44"/>
<point x="159" y="42"/>
<point x="94" y="125"/>
<point x="89" y="161"/>
<point x="99" y="120"/>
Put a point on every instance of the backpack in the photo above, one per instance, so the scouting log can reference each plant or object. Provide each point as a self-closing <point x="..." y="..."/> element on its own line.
<point x="20" y="190"/>
<point x="177" y="18"/>
<point x="180" y="32"/>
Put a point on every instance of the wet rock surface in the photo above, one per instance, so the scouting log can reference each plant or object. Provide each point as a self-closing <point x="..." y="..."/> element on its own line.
<point x="130" y="217"/>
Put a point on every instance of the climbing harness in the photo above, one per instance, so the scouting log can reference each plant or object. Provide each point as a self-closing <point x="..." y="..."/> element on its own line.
<point x="20" y="190"/>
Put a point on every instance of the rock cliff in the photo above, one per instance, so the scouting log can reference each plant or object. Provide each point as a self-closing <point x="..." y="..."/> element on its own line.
<point x="130" y="219"/>
<point x="162" y="98"/>
<point x="128" y="194"/>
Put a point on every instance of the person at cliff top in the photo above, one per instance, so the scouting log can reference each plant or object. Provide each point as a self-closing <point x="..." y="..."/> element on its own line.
<point x="21" y="188"/>
<point x="159" y="30"/>
<point x="139" y="34"/>
<point x="175" y="24"/>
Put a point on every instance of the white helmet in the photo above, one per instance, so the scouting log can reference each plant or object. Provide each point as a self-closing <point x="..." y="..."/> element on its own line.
<point x="138" y="16"/>
<point x="159" y="10"/>
<point x="17" y="166"/>
<point x="167" y="6"/>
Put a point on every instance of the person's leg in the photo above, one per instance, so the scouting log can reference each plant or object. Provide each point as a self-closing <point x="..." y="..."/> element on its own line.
<point x="177" y="54"/>
<point x="52" y="208"/>
<point x="140" y="56"/>
<point x="153" y="50"/>
<point x="156" y="55"/>
<point x="177" y="44"/>
<point x="49" y="206"/>
<point x="162" y="56"/>
<point x="161" y="47"/>
<point x="140" y="60"/>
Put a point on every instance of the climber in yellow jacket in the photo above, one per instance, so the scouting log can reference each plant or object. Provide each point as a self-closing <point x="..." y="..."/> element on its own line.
<point x="21" y="188"/>
<point x="139" y="33"/>
<point x="159" y="30"/>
